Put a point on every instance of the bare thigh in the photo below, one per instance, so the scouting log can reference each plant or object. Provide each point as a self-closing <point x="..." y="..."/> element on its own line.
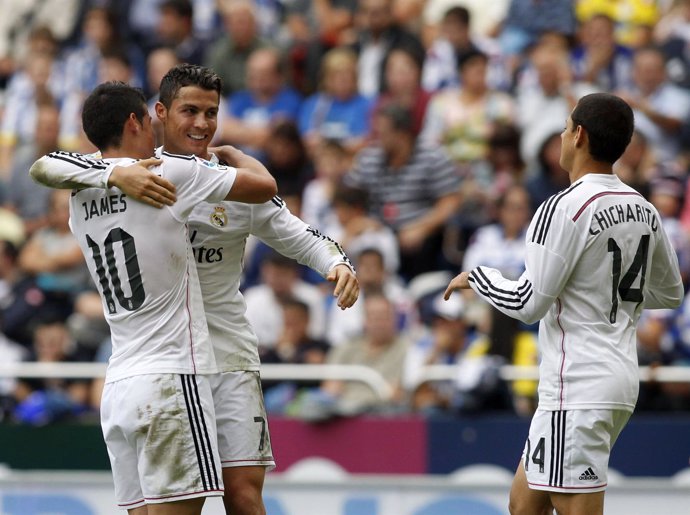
<point x="524" y="500"/>
<point x="243" y="490"/>
<point x="578" y="504"/>
<point x="186" y="507"/>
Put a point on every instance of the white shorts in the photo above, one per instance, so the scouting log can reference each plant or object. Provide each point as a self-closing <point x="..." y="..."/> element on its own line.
<point x="568" y="451"/>
<point x="161" y="438"/>
<point x="243" y="436"/>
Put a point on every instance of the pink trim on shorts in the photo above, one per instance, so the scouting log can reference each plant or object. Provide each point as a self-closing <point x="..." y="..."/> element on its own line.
<point x="559" y="488"/>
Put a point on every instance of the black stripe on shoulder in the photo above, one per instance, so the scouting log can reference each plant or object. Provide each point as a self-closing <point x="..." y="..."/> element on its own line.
<point x="180" y="156"/>
<point x="546" y="216"/>
<point x="78" y="160"/>
<point x="279" y="202"/>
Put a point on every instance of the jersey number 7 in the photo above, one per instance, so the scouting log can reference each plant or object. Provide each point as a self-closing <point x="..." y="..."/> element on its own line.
<point x="623" y="286"/>
<point x="134" y="301"/>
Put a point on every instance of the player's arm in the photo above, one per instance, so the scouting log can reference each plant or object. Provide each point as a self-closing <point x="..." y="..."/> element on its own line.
<point x="664" y="285"/>
<point x="254" y="184"/>
<point x="66" y="170"/>
<point x="546" y="271"/>
<point x="273" y="224"/>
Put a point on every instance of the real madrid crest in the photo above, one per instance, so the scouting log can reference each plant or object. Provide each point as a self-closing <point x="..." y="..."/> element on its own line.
<point x="219" y="217"/>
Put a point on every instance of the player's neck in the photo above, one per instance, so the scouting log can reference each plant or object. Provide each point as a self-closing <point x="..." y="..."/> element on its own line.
<point x="114" y="153"/>
<point x="587" y="166"/>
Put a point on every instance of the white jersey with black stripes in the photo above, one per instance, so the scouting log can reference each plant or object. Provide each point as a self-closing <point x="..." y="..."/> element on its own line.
<point x="142" y="262"/>
<point x="596" y="256"/>
<point x="218" y="234"/>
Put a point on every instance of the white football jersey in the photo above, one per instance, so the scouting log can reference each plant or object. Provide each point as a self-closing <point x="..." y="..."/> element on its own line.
<point x="218" y="234"/>
<point x="596" y="256"/>
<point x="142" y="262"/>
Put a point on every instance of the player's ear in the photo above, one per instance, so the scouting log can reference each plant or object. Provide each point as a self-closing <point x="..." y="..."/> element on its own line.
<point x="161" y="111"/>
<point x="581" y="136"/>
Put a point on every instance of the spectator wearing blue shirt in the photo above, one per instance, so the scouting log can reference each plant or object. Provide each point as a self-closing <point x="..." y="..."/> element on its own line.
<point x="265" y="101"/>
<point x="337" y="111"/>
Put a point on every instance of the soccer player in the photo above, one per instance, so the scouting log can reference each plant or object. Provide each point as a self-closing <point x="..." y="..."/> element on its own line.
<point x="597" y="255"/>
<point x="189" y="97"/>
<point x="157" y="410"/>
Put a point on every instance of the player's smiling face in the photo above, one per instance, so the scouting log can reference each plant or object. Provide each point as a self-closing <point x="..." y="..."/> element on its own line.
<point x="191" y="121"/>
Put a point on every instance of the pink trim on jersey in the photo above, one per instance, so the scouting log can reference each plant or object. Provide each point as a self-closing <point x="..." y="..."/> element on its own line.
<point x="175" y="496"/>
<point x="560" y="373"/>
<point x="602" y="194"/>
<point x="568" y="487"/>
<point x="247" y="460"/>
<point x="189" y="313"/>
<point x="131" y="503"/>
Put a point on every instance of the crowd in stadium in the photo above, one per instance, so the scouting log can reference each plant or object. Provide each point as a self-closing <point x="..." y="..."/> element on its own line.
<point x="420" y="135"/>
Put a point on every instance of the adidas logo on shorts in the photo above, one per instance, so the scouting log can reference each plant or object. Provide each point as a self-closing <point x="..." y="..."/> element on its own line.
<point x="588" y="475"/>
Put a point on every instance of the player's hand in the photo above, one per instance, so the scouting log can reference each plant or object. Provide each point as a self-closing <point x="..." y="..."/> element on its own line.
<point x="138" y="182"/>
<point x="459" y="282"/>
<point x="346" y="285"/>
<point x="231" y="155"/>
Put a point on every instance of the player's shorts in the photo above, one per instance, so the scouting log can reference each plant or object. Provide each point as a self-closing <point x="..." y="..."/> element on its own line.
<point x="243" y="437"/>
<point x="568" y="451"/>
<point x="160" y="432"/>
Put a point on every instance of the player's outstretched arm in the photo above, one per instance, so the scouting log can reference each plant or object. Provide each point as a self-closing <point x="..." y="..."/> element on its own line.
<point x="66" y="170"/>
<point x="346" y="285"/>
<point x="254" y="184"/>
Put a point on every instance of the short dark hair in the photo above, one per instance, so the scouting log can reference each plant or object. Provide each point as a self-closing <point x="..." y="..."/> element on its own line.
<point x="350" y="196"/>
<point x="459" y="14"/>
<point x="184" y="75"/>
<point x="182" y="8"/>
<point x="401" y="117"/>
<point x="464" y="58"/>
<point x="107" y="109"/>
<point x="609" y="122"/>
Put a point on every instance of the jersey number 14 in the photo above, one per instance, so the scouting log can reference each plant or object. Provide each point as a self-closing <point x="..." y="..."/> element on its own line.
<point x="136" y="299"/>
<point x="623" y="286"/>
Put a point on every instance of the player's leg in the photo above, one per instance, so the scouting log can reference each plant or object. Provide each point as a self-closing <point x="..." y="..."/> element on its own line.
<point x="243" y="489"/>
<point x="578" y="504"/>
<point x="524" y="500"/>
<point x="244" y="442"/>
<point x="186" y="507"/>
<point x="142" y="510"/>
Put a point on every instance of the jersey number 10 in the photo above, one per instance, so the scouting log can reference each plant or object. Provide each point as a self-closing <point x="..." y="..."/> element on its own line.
<point x="623" y="286"/>
<point x="134" y="301"/>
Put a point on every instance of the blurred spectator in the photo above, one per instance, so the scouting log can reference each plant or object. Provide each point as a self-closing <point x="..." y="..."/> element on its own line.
<point x="331" y="162"/>
<point x="315" y="27"/>
<point x="632" y="18"/>
<point x="10" y="353"/>
<point x="357" y="231"/>
<point x="345" y="325"/>
<point x="526" y="20"/>
<point x="21" y="17"/>
<point x="382" y="348"/>
<point x="660" y="107"/>
<point x="463" y="120"/>
<point x="402" y="85"/>
<point x="40" y="401"/>
<point x="599" y="60"/>
<point x="413" y="188"/>
<point x="378" y="34"/>
<point x="294" y="346"/>
<point x="37" y="84"/>
<point x="487" y="17"/>
<point x="453" y="41"/>
<point x="53" y="256"/>
<point x="337" y="111"/>
<point x="553" y="96"/>
<point x="286" y="157"/>
<point x="228" y="55"/>
<point x="265" y="101"/>
<point x="637" y="163"/>
<point x="175" y="30"/>
<point x="25" y="197"/>
<point x="450" y="341"/>
<point x="547" y="178"/>
<point x="667" y="193"/>
<point x="280" y="280"/>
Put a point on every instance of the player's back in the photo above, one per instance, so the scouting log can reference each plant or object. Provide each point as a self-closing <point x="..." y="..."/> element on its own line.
<point x="141" y="260"/>
<point x="588" y="341"/>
